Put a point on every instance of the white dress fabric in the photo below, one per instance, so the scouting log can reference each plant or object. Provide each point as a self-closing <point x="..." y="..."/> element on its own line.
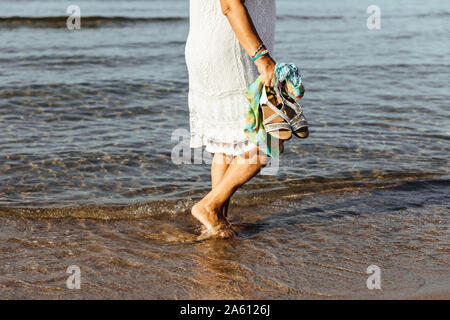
<point x="220" y="71"/>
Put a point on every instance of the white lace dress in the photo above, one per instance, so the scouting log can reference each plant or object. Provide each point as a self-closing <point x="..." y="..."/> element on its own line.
<point x="220" y="71"/>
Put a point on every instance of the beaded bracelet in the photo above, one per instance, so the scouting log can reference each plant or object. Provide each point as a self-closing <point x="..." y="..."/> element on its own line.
<point x="260" y="55"/>
<point x="259" y="48"/>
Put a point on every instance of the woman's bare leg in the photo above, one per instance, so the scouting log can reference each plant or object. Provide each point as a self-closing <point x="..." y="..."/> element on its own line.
<point x="241" y="170"/>
<point x="221" y="162"/>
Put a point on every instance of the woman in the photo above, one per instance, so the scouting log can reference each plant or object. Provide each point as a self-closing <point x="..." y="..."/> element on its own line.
<point x="224" y="35"/>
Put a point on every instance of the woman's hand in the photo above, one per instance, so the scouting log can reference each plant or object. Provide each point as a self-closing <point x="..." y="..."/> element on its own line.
<point x="266" y="67"/>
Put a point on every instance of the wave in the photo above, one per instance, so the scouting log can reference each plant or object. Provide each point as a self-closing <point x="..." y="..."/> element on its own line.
<point x="86" y="22"/>
<point x="434" y="14"/>
<point x="312" y="17"/>
<point x="297" y="17"/>
<point x="254" y="196"/>
<point x="103" y="21"/>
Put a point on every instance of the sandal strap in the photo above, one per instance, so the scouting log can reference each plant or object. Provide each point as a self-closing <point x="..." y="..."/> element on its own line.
<point x="277" y="126"/>
<point x="298" y="117"/>
<point x="295" y="106"/>
<point x="271" y="118"/>
<point x="299" y="121"/>
<point x="299" y="124"/>
<point x="278" y="112"/>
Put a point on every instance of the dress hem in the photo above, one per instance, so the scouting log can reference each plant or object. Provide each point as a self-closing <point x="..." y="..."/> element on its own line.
<point x="214" y="146"/>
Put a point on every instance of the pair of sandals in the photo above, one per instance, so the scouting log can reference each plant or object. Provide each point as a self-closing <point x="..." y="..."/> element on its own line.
<point x="282" y="115"/>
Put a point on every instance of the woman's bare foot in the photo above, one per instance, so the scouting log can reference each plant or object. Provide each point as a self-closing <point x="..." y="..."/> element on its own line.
<point x="216" y="225"/>
<point x="225" y="231"/>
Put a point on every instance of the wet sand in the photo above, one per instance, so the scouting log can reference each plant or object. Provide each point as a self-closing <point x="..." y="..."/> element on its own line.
<point x="88" y="178"/>
<point x="315" y="246"/>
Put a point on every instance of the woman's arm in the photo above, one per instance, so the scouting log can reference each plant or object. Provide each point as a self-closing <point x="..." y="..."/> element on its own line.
<point x="243" y="27"/>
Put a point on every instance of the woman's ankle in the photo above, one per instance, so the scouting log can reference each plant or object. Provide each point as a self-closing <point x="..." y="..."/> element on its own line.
<point x="212" y="208"/>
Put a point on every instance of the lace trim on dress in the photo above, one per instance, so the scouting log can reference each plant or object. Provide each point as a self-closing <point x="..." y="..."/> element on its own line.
<point x="218" y="122"/>
<point x="214" y="146"/>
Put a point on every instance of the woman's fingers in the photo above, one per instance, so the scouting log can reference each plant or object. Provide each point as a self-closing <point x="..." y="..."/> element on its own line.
<point x="272" y="82"/>
<point x="270" y="77"/>
<point x="269" y="81"/>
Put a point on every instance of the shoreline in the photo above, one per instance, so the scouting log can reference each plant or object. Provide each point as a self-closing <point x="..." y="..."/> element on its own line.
<point x="316" y="246"/>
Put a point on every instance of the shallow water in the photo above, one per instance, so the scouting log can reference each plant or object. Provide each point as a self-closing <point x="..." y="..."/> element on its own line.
<point x="87" y="177"/>
<point x="308" y="247"/>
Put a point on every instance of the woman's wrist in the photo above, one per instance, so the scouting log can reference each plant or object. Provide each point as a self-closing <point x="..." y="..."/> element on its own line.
<point x="264" y="60"/>
<point x="260" y="48"/>
<point x="261" y="54"/>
